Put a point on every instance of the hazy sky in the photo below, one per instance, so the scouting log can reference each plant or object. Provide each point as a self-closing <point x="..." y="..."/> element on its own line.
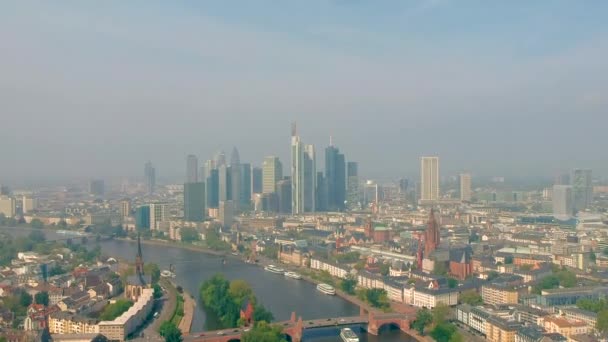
<point x="96" y="88"/>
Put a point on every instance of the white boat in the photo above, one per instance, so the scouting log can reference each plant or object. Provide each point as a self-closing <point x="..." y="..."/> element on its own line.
<point x="327" y="289"/>
<point x="347" y="335"/>
<point x="293" y="275"/>
<point x="274" y="269"/>
<point x="167" y="274"/>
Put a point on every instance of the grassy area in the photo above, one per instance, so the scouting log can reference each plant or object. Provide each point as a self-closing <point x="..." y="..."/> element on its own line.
<point x="178" y="314"/>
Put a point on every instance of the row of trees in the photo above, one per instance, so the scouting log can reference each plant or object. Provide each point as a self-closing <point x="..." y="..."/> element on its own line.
<point x="436" y="319"/>
<point x="224" y="299"/>
<point x="600" y="307"/>
<point x="377" y="298"/>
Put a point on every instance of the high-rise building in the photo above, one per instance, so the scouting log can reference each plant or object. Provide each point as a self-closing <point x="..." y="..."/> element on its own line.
<point x="5" y="190"/>
<point x="310" y="179"/>
<point x="582" y="188"/>
<point x="562" y="198"/>
<point x="29" y="204"/>
<point x="194" y="202"/>
<point x="257" y="182"/>
<point x="96" y="187"/>
<point x="226" y="214"/>
<point x="235" y="180"/>
<point x="206" y="169"/>
<point x="150" y="175"/>
<point x="322" y="193"/>
<point x="335" y="177"/>
<point x="220" y="159"/>
<point x="429" y="178"/>
<point x="465" y="187"/>
<point x="213" y="189"/>
<point x="191" y="169"/>
<point x="158" y="214"/>
<point x="224" y="176"/>
<point x="303" y="175"/>
<point x="371" y="193"/>
<point x="125" y="208"/>
<point x="352" y="185"/>
<point x="562" y="179"/>
<point x="245" y="186"/>
<point x="284" y="196"/>
<point x="142" y="217"/>
<point x="7" y="206"/>
<point x="272" y="172"/>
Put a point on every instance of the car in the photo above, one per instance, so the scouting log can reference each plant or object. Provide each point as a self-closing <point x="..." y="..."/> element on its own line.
<point x="342" y="320"/>
<point x="246" y="329"/>
<point x="235" y="330"/>
<point x="221" y="333"/>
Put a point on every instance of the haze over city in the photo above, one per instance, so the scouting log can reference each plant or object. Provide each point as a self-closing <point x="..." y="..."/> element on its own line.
<point x="94" y="89"/>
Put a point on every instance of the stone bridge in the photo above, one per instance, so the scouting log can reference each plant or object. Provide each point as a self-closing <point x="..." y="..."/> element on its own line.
<point x="294" y="328"/>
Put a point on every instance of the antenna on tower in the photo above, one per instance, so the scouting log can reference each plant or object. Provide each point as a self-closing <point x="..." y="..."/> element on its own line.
<point x="294" y="129"/>
<point x="331" y="141"/>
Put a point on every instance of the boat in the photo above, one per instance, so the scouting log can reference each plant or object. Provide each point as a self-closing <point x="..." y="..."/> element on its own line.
<point x="167" y="274"/>
<point x="327" y="289"/>
<point x="274" y="269"/>
<point x="347" y="335"/>
<point x="293" y="275"/>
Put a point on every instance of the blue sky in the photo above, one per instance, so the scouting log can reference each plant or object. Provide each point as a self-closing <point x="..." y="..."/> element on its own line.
<point x="498" y="88"/>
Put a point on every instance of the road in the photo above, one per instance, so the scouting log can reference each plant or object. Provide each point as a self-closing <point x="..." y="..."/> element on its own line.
<point x="165" y="306"/>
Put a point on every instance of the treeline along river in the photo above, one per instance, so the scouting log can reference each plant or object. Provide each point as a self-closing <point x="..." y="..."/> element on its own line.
<point x="277" y="293"/>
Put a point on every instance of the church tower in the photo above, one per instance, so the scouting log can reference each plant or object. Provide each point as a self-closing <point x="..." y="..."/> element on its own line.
<point x="431" y="236"/>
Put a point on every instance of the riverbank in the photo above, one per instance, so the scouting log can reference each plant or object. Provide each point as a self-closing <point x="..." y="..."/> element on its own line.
<point x="185" y="325"/>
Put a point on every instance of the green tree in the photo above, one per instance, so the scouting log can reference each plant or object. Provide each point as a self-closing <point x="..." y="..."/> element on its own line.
<point x="385" y="269"/>
<point x="158" y="291"/>
<point x="36" y="223"/>
<point x="423" y="319"/>
<point x="440" y="313"/>
<point x="509" y="260"/>
<point x="264" y="332"/>
<point x="443" y="332"/>
<point x="214" y="240"/>
<point x="360" y="265"/>
<point x="592" y="305"/>
<point x="154" y="271"/>
<point x="452" y="283"/>
<point x="189" y="235"/>
<point x="567" y="278"/>
<point x="471" y="297"/>
<point x="348" y="258"/>
<point x="36" y="236"/>
<point x="457" y="337"/>
<point x="602" y="322"/>
<point x="592" y="257"/>
<point x="42" y="298"/>
<point x="440" y="269"/>
<point x="349" y="284"/>
<point x="493" y="275"/>
<point x="25" y="299"/>
<point x="261" y="314"/>
<point x="115" y="309"/>
<point x="378" y="298"/>
<point x="271" y="252"/>
<point x="170" y="332"/>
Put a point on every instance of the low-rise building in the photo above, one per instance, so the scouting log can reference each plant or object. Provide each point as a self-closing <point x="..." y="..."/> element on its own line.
<point x="130" y="320"/>
<point x="564" y="326"/>
<point x="68" y="323"/>
<point x="501" y="330"/>
<point x="335" y="270"/>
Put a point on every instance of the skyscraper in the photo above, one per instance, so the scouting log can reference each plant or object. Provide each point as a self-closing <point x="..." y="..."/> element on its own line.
<point x="194" y="202"/>
<point x="29" y="204"/>
<point x="206" y="169"/>
<point x="335" y="176"/>
<point x="96" y="187"/>
<point x="125" y="208"/>
<point x="429" y="178"/>
<point x="220" y="159"/>
<point x="284" y="196"/>
<point x="303" y="175"/>
<point x="191" y="169"/>
<point x="322" y="193"/>
<point x="150" y="175"/>
<point x="257" y="180"/>
<point x="235" y="180"/>
<point x="465" y="187"/>
<point x="272" y="172"/>
<point x="158" y="214"/>
<point x="142" y="217"/>
<point x="7" y="206"/>
<point x="212" y="189"/>
<point x="563" y="206"/>
<point x="352" y="182"/>
<point x="224" y="193"/>
<point x="582" y="188"/>
<point x="310" y="179"/>
<point x="245" y="186"/>
<point x="226" y="214"/>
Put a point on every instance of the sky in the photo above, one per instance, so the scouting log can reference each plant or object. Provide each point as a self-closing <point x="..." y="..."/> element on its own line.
<point x="94" y="89"/>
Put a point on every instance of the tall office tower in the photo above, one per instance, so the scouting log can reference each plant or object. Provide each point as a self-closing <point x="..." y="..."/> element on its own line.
<point x="125" y="208"/>
<point x="297" y="173"/>
<point x="7" y="206"/>
<point x="562" y="179"/>
<point x="272" y="172"/>
<point x="213" y="189"/>
<point x="224" y="180"/>
<point x="257" y="180"/>
<point x="191" y="169"/>
<point x="29" y="204"/>
<point x="284" y="196"/>
<point x="5" y="190"/>
<point x="465" y="187"/>
<point x="206" y="169"/>
<point x="310" y="179"/>
<point x="582" y="188"/>
<point x="142" y="217"/>
<point x="235" y="180"/>
<point x="245" y="186"/>
<point x="371" y="193"/>
<point x="322" y="193"/>
<point x="226" y="215"/>
<point x="150" y="175"/>
<point x="194" y="202"/>
<point x="563" y="206"/>
<point x="352" y="185"/>
<point x="335" y="176"/>
<point x="158" y="214"/>
<point x="429" y="177"/>
<point x="96" y="187"/>
<point x="220" y="159"/>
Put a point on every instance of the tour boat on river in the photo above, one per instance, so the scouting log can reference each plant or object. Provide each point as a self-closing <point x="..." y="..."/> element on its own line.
<point x="293" y="275"/>
<point x="274" y="269"/>
<point x="327" y="289"/>
<point x="347" y="335"/>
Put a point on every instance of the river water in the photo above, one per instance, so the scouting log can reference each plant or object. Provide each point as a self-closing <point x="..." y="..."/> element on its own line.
<point x="277" y="293"/>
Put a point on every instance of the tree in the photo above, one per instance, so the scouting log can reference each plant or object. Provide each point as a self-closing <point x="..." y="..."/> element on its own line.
<point x="567" y="278"/>
<point x="493" y="275"/>
<point x="423" y="318"/>
<point x="471" y="297"/>
<point x="116" y="309"/>
<point x="271" y="251"/>
<point x="385" y="269"/>
<point x="158" y="291"/>
<point x="508" y="259"/>
<point x="189" y="235"/>
<point x="440" y="312"/>
<point x="602" y="322"/>
<point x="440" y="269"/>
<point x="378" y="298"/>
<point x="154" y="271"/>
<point x="42" y="298"/>
<point x="592" y="305"/>
<point x="592" y="257"/>
<point x="170" y="332"/>
<point x="36" y="236"/>
<point x="240" y="290"/>
<point x="264" y="332"/>
<point x="443" y="332"/>
<point x="452" y="283"/>
<point x="25" y="299"/>
<point x="361" y="265"/>
<point x="261" y="314"/>
<point x="456" y="337"/>
<point x="348" y="258"/>
<point x="36" y="223"/>
<point x="349" y="284"/>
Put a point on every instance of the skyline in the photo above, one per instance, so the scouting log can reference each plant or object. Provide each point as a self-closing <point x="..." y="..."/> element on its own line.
<point x="94" y="91"/>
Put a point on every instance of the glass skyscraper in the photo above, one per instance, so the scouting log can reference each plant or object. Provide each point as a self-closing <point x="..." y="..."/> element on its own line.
<point x="194" y="201"/>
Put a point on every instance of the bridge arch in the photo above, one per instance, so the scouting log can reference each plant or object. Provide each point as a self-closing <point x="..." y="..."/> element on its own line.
<point x="388" y="326"/>
<point x="234" y="340"/>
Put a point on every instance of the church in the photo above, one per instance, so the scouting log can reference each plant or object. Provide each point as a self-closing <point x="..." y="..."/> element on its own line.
<point x="140" y="281"/>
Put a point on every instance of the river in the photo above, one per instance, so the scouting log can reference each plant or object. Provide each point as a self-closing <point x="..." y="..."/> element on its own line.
<point x="280" y="295"/>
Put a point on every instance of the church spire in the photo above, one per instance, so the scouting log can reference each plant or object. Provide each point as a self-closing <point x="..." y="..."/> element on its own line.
<point x="139" y="259"/>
